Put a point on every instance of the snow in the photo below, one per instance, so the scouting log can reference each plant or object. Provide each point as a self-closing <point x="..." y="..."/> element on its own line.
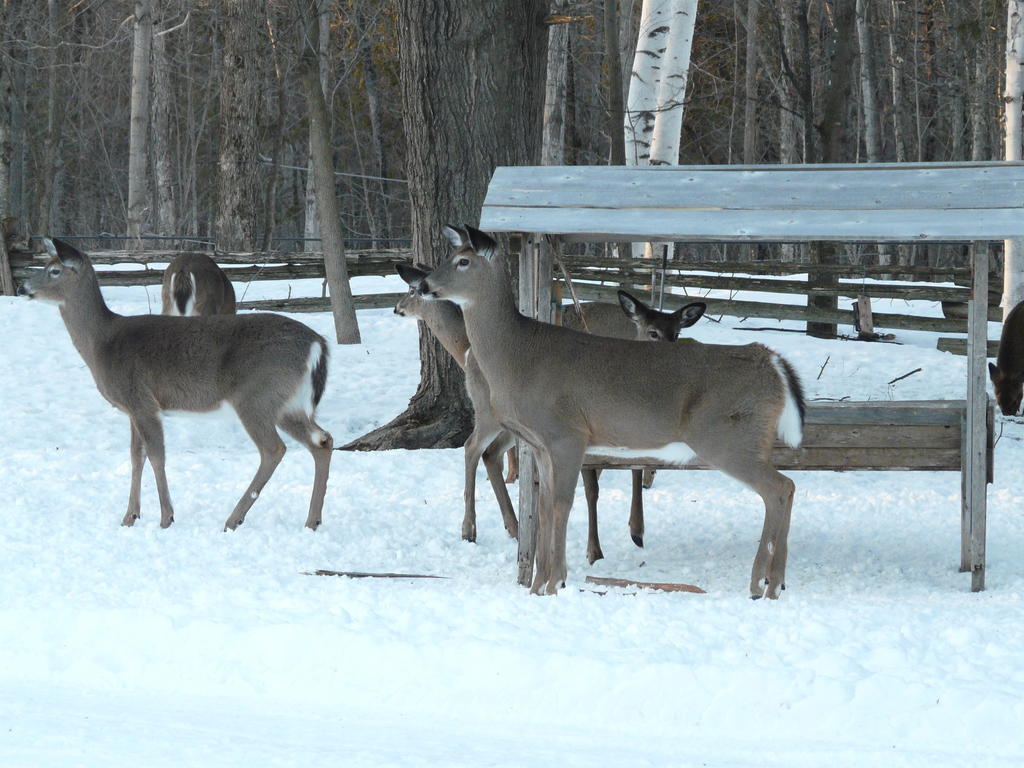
<point x="191" y="646"/>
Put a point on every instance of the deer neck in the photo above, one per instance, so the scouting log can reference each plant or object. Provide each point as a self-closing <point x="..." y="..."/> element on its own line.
<point x="494" y="325"/>
<point x="444" y="320"/>
<point x="87" y="317"/>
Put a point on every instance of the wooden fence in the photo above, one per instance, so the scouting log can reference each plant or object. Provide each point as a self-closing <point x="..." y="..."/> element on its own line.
<point x="597" y="279"/>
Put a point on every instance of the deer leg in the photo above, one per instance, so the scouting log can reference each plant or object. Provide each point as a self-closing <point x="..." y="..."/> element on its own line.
<point x="321" y="445"/>
<point x="768" y="575"/>
<point x="592" y="491"/>
<point x="152" y="433"/>
<point x="492" y="463"/>
<point x="636" y="508"/>
<point x="512" y="455"/>
<point x="138" y="456"/>
<point x="478" y="440"/>
<point x="559" y="467"/>
<point x="271" y="448"/>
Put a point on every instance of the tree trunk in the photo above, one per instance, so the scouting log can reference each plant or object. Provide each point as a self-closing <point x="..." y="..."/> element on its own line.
<point x="7" y="100"/>
<point x="672" y="84"/>
<point x="46" y="169"/>
<point x="345" y="325"/>
<point x="138" y="141"/>
<point x="868" y="86"/>
<point x="614" y="91"/>
<point x="553" y="144"/>
<point x="311" y="226"/>
<point x="1013" y="250"/>
<point x="380" y="224"/>
<point x="239" y="208"/>
<point x="750" y="85"/>
<point x="166" y="219"/>
<point x="464" y="108"/>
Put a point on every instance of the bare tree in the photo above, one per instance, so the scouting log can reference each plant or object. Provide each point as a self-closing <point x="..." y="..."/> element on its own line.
<point x="138" y="142"/>
<point x="345" y="325"/>
<point x="237" y="225"/>
<point x="464" y="107"/>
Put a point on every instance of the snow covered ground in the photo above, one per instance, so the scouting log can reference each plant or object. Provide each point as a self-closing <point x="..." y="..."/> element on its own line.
<point x="190" y="646"/>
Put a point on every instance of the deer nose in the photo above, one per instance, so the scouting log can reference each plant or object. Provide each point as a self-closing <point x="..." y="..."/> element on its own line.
<point x="23" y="290"/>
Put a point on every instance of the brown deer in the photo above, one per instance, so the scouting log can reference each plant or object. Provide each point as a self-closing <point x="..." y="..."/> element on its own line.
<point x="193" y="285"/>
<point x="629" y="319"/>
<point x="566" y="393"/>
<point x="1007" y="373"/>
<point x="271" y="369"/>
<point x="489" y="438"/>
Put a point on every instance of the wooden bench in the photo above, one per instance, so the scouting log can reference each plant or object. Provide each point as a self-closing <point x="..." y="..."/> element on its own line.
<point x="967" y="203"/>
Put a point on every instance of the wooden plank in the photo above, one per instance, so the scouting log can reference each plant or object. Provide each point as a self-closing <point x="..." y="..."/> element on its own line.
<point x="734" y="308"/>
<point x="774" y="268"/>
<point x="775" y="188"/>
<point x="316" y="304"/>
<point x="718" y="226"/>
<point x="818" y="459"/>
<point x="958" y="346"/>
<point x="878" y="436"/>
<point x="385" y="256"/>
<point x="925" y="292"/>
<point x="661" y="586"/>
<point x="976" y="424"/>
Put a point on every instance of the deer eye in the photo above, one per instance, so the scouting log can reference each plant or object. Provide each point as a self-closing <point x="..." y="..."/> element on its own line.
<point x="54" y="271"/>
<point x="463" y="262"/>
<point x="653" y="335"/>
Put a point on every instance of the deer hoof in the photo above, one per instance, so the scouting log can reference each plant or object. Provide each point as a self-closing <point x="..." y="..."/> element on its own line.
<point x="469" y="533"/>
<point x="167" y="523"/>
<point x="638" y="539"/>
<point x="129" y="520"/>
<point x="593" y="555"/>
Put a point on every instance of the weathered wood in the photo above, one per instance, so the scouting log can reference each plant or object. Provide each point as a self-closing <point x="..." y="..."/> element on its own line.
<point x="735" y="308"/>
<point x="661" y="586"/>
<point x="958" y="346"/>
<point x="923" y="292"/>
<point x="865" y="321"/>
<point x="976" y="423"/>
<point x="774" y="268"/>
<point x="820" y="459"/>
<point x="367" y="575"/>
<point x="360" y="300"/>
<point x="854" y="203"/>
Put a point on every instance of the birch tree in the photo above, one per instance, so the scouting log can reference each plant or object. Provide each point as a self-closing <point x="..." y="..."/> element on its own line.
<point x="657" y="86"/>
<point x="1013" y="264"/>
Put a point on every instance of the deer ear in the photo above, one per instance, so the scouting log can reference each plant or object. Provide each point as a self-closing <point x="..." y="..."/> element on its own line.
<point x="994" y="373"/>
<point x="69" y="256"/>
<point x="691" y="313"/>
<point x="631" y="305"/>
<point x="481" y="242"/>
<point x="412" y="275"/>
<point x="455" y="236"/>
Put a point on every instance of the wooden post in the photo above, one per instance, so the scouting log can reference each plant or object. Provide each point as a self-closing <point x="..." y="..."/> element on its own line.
<point x="976" y="438"/>
<point x="535" y="260"/>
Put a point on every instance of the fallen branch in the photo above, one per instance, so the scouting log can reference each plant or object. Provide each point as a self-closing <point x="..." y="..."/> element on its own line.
<point x="822" y="369"/>
<point x="905" y="375"/>
<point x="364" y="575"/>
<point x="662" y="586"/>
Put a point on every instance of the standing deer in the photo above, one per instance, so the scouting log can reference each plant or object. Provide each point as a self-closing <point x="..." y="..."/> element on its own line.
<point x="193" y="284"/>
<point x="629" y="319"/>
<point x="271" y="369"/>
<point x="566" y="393"/>
<point x="1007" y="373"/>
<point x="489" y="439"/>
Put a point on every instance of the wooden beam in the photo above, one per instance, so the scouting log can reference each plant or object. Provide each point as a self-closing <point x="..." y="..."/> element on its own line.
<point x="977" y="418"/>
<point x="661" y="586"/>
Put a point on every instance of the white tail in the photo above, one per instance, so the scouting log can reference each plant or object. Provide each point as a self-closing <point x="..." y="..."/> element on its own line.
<point x="271" y="369"/>
<point x="565" y="392"/>
<point x="193" y="285"/>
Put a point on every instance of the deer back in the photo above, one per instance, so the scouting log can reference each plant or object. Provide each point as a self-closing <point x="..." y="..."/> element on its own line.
<point x="194" y="285"/>
<point x="1007" y="374"/>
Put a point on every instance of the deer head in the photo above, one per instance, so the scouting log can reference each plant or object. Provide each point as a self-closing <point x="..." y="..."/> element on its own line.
<point x="61" y="277"/>
<point x="1009" y="389"/>
<point x="653" y="325"/>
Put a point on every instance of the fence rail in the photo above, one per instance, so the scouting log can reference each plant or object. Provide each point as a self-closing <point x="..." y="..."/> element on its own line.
<point x="594" y="279"/>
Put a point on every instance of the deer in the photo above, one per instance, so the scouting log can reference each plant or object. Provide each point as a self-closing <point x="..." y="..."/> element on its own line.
<point x="631" y="318"/>
<point x="1007" y="373"/>
<point x="568" y="393"/>
<point x="270" y="369"/>
<point x="193" y="284"/>
<point x="489" y="439"/>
